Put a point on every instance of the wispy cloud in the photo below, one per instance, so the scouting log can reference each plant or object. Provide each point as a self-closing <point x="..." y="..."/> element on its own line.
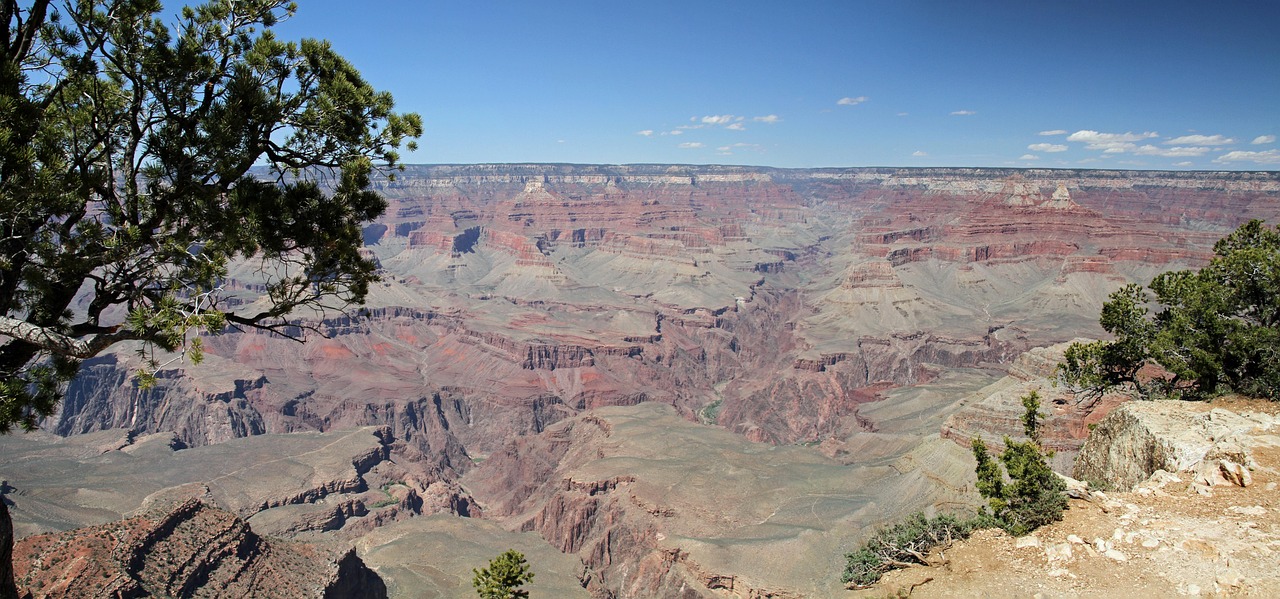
<point x="720" y="119"/>
<point x="675" y="132"/>
<point x="1110" y="143"/>
<point x="1200" y="140"/>
<point x="919" y="153"/>
<point x="1184" y="163"/>
<point x="646" y="133"/>
<point x="728" y="150"/>
<point x="1028" y="157"/>
<point x="689" y="145"/>
<point x="1053" y="132"/>
<point x="768" y="119"/>
<point x="847" y="101"/>
<point x="903" y="113"/>
<point x="736" y="127"/>
<point x="1047" y="148"/>
<point x="1264" y="157"/>
<point x="1174" y="152"/>
<point x="964" y="113"/>
<point x="1263" y="139"/>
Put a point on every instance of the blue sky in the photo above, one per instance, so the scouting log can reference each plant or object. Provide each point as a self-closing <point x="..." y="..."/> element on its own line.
<point x="1097" y="84"/>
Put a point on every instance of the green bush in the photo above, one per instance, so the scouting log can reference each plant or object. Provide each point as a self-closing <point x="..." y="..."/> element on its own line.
<point x="1032" y="495"/>
<point x="904" y="544"/>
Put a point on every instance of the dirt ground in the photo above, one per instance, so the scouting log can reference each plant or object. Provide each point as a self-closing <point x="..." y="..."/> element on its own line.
<point x="1168" y="537"/>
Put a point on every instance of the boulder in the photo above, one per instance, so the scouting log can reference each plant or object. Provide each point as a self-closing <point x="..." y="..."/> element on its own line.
<point x="1140" y="438"/>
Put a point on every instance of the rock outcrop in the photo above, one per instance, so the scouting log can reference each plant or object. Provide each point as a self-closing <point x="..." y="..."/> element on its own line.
<point x="1208" y="445"/>
<point x="186" y="550"/>
<point x="1066" y="418"/>
<point x="342" y="483"/>
<point x="1172" y="535"/>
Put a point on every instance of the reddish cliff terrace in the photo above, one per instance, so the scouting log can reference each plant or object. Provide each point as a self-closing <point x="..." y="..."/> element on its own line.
<point x="843" y="313"/>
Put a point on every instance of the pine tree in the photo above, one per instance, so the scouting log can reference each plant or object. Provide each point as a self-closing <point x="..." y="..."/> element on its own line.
<point x="128" y="135"/>
<point x="503" y="577"/>
<point x="1033" y="495"/>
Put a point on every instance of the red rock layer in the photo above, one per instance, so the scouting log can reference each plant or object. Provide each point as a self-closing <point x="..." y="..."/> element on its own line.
<point x="185" y="550"/>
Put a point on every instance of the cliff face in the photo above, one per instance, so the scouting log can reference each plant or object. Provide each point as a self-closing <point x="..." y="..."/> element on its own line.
<point x="772" y="301"/>
<point x="186" y="550"/>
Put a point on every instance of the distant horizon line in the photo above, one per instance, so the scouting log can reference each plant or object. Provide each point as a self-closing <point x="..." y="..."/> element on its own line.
<point x="819" y="168"/>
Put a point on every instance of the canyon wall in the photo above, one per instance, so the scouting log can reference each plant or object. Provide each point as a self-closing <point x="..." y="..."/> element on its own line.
<point x="775" y="304"/>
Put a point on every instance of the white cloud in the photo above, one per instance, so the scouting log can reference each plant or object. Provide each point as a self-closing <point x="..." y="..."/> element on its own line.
<point x="903" y="113"/>
<point x="919" y="153"/>
<point x="1110" y="143"/>
<point x="689" y="145"/>
<point x="846" y="101"/>
<point x="728" y="150"/>
<point x="1202" y="140"/>
<point x="1264" y="157"/>
<point x="676" y="132"/>
<point x="1184" y="163"/>
<point x="1028" y="157"/>
<point x="1054" y="132"/>
<point x="646" y="133"/>
<point x="1089" y="136"/>
<point x="768" y="119"/>
<point x="1264" y="139"/>
<point x="964" y="113"/>
<point x="1175" y="152"/>
<point x="1047" y="148"/>
<point x="736" y="127"/>
<point x="719" y="119"/>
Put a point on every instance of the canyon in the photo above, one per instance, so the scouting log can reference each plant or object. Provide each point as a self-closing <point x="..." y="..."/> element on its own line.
<point x="653" y="380"/>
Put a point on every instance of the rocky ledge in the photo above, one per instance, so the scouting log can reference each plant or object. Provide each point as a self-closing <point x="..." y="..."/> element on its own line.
<point x="186" y="549"/>
<point x="1184" y="530"/>
<point x="1211" y="445"/>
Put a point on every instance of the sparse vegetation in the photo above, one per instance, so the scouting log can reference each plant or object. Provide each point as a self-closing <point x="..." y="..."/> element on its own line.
<point x="1030" y="496"/>
<point x="503" y="577"/>
<point x="1217" y="329"/>
<point x="390" y="499"/>
<point x="711" y="412"/>
<point x="904" y="544"/>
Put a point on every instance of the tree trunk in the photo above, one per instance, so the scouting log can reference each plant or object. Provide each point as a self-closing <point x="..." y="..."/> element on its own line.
<point x="7" y="588"/>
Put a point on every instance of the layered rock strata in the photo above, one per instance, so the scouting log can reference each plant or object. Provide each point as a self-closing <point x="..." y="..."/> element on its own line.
<point x="785" y="306"/>
<point x="186" y="550"/>
<point x="1066" y="417"/>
